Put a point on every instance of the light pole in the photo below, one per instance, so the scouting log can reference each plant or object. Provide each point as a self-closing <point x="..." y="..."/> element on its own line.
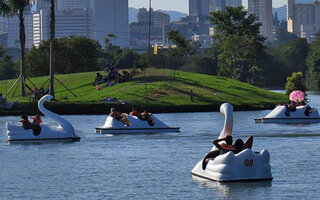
<point x="149" y="33"/>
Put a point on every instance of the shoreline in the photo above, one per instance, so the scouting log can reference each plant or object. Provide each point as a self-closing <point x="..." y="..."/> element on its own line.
<point x="103" y="108"/>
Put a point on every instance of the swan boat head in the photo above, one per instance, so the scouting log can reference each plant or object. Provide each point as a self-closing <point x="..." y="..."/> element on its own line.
<point x="64" y="125"/>
<point x="227" y="110"/>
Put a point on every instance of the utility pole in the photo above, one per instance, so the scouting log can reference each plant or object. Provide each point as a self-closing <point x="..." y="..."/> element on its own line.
<point x="149" y="33"/>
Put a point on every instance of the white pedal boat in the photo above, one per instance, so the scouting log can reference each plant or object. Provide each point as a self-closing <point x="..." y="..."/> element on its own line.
<point x="244" y="166"/>
<point x="300" y="116"/>
<point x="63" y="131"/>
<point x="113" y="126"/>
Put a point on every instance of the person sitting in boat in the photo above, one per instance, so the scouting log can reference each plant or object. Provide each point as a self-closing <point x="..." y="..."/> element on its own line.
<point x="292" y="106"/>
<point x="120" y="117"/>
<point x="147" y="116"/>
<point x="240" y="145"/>
<point x="3" y="99"/>
<point x="36" y="119"/>
<point x="36" y="124"/>
<point x="136" y="113"/>
<point x="224" y="147"/>
<point x="115" y="114"/>
<point x="26" y="124"/>
<point x="302" y="103"/>
<point x="308" y="110"/>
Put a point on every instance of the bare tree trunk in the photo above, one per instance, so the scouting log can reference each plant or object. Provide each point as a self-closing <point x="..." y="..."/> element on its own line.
<point x="22" y="51"/>
<point x="52" y="46"/>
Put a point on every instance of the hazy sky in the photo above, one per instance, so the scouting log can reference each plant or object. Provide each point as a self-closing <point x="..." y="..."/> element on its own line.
<point x="182" y="5"/>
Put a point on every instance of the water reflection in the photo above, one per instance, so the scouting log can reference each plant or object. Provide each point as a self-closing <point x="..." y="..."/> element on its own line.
<point x="229" y="189"/>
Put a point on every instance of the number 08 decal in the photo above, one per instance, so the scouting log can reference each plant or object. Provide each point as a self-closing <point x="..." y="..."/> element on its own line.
<point x="248" y="163"/>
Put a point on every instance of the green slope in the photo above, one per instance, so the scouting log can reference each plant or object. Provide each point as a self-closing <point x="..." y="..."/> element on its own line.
<point x="162" y="90"/>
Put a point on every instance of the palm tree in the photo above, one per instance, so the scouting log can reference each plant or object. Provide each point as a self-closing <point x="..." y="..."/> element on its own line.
<point x="52" y="45"/>
<point x="18" y="7"/>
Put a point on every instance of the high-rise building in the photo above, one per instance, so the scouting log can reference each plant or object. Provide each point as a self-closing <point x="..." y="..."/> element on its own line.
<point x="74" y="22"/>
<point x="41" y="26"/>
<point x="3" y="24"/>
<point x="200" y="7"/>
<point x="14" y="31"/>
<point x="303" y="18"/>
<point x="111" y="16"/>
<point x="233" y="3"/>
<point x="41" y="5"/>
<point x="158" y="18"/>
<point x="262" y="9"/>
<point x="72" y="18"/>
<point x="71" y="4"/>
<point x="219" y="5"/>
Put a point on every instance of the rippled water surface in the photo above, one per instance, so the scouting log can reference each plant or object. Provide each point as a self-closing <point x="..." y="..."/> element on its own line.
<point x="157" y="166"/>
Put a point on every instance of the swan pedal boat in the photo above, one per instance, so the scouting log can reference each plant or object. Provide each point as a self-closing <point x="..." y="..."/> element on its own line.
<point x="278" y="115"/>
<point x="113" y="126"/>
<point x="64" y="131"/>
<point x="229" y="167"/>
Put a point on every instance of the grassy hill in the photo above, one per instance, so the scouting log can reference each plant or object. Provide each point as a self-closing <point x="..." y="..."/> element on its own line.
<point x="163" y="93"/>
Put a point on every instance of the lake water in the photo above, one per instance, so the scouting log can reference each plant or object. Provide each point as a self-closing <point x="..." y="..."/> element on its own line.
<point x="157" y="166"/>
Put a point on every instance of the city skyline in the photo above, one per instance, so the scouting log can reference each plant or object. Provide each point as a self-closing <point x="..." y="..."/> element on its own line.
<point x="182" y="5"/>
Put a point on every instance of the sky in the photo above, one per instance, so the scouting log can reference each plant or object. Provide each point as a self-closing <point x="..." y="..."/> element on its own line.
<point x="182" y="5"/>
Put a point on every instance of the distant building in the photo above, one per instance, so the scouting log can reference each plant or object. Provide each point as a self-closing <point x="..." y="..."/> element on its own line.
<point x="158" y="18"/>
<point x="41" y="5"/>
<point x="262" y="9"/>
<point x="139" y="32"/>
<point x="111" y="16"/>
<point x="74" y="22"/>
<point x="3" y="24"/>
<point x="200" y="7"/>
<point x="219" y="5"/>
<point x="14" y="31"/>
<point x="303" y="18"/>
<point x="71" y="4"/>
<point x="41" y="26"/>
<point x="233" y="3"/>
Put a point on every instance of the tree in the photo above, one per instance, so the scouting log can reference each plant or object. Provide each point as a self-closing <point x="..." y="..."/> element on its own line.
<point x="52" y="45"/>
<point x="18" y="7"/>
<point x="239" y="43"/>
<point x="295" y="82"/>
<point x="182" y="47"/>
<point x="285" y="59"/>
<point x="7" y="70"/>
<point x="313" y="63"/>
<point x="75" y="53"/>
<point x="111" y="52"/>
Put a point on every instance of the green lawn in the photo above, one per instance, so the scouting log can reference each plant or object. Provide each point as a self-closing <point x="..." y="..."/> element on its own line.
<point x="161" y="88"/>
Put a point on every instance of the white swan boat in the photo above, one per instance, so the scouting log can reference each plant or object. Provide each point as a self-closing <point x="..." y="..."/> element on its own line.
<point x="281" y="114"/>
<point x="63" y="131"/>
<point x="244" y="166"/>
<point x="113" y="126"/>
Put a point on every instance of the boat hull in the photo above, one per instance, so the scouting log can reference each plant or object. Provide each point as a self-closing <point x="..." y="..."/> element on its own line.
<point x="245" y="166"/>
<point x="287" y="120"/>
<point x="101" y="130"/>
<point x="113" y="126"/>
<point x="16" y="133"/>
<point x="282" y="115"/>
